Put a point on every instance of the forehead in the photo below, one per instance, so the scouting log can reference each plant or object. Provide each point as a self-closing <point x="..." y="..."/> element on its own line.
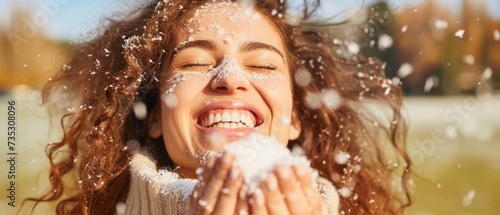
<point x="226" y="12"/>
<point x="229" y="21"/>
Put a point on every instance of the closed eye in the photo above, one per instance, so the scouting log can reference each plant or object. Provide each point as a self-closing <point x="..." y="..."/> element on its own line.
<point x="189" y="65"/>
<point x="263" y="66"/>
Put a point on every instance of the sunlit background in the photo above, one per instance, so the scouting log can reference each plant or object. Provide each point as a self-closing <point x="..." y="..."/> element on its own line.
<point x="445" y="53"/>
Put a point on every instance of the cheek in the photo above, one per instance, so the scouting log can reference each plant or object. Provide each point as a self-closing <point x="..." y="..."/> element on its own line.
<point x="275" y="87"/>
<point x="181" y="88"/>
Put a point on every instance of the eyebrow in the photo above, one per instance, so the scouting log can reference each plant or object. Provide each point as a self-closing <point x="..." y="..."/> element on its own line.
<point x="204" y="44"/>
<point x="251" y="46"/>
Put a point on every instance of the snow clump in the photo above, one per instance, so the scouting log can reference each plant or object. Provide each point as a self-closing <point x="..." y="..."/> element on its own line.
<point x="259" y="155"/>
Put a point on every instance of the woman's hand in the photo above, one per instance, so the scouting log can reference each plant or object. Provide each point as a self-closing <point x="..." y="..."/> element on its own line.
<point x="220" y="189"/>
<point x="288" y="191"/>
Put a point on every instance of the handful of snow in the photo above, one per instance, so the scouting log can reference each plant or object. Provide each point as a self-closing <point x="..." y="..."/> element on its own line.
<point x="258" y="155"/>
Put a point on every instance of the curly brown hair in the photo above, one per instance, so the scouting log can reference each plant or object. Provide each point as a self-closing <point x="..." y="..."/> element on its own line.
<point x="109" y="74"/>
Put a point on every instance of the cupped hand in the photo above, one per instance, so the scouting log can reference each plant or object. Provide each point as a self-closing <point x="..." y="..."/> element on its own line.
<point x="289" y="190"/>
<point x="220" y="189"/>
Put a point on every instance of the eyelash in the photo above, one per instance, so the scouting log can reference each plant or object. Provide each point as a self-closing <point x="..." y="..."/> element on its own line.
<point x="187" y="65"/>
<point x="264" y="66"/>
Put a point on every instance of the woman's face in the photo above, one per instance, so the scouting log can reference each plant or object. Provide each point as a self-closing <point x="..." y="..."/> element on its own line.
<point x="227" y="79"/>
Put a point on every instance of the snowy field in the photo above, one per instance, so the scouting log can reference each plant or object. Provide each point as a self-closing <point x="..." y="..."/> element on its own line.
<point x="454" y="141"/>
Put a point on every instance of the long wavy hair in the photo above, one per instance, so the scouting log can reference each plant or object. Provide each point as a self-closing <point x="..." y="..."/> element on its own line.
<point x="351" y="144"/>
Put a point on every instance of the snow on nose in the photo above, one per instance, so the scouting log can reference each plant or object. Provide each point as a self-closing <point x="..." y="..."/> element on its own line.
<point x="228" y="76"/>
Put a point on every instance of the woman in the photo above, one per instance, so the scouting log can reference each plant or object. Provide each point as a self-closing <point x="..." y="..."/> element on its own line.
<point x="189" y="61"/>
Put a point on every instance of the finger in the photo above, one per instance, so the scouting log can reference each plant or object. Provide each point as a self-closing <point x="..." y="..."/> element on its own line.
<point x="257" y="203"/>
<point x="229" y="194"/>
<point x="308" y="188"/>
<point x="207" y="170"/>
<point x="242" y="207"/>
<point x="213" y="185"/>
<point x="274" y="199"/>
<point x="202" y="173"/>
<point x="291" y="189"/>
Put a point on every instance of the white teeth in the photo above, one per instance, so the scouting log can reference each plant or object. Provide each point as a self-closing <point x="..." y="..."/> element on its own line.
<point x="217" y="117"/>
<point x="244" y="119"/>
<point x="235" y="117"/>
<point x="228" y="119"/>
<point x="210" y="120"/>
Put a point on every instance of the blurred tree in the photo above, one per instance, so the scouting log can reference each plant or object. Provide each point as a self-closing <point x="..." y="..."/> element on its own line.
<point x="445" y="52"/>
<point x="32" y="61"/>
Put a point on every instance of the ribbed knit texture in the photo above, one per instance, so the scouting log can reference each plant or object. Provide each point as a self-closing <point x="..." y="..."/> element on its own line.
<point x="163" y="192"/>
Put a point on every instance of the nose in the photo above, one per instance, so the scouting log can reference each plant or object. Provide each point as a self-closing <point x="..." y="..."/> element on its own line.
<point x="229" y="78"/>
<point x="229" y="82"/>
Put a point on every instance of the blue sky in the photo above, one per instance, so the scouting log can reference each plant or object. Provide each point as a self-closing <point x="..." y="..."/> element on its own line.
<point x="74" y="19"/>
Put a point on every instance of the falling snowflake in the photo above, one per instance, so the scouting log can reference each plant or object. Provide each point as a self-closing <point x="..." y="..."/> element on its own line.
<point x="467" y="200"/>
<point x="298" y="151"/>
<point x="331" y="98"/>
<point x="405" y="70"/>
<point x="216" y="140"/>
<point x="132" y="146"/>
<point x="404" y="29"/>
<point x="487" y="74"/>
<point x="460" y="33"/>
<point x="345" y="192"/>
<point x="496" y="34"/>
<point x="302" y="77"/>
<point x="441" y="24"/>
<point x="170" y="100"/>
<point x="342" y="157"/>
<point x="140" y="110"/>
<point x="120" y="208"/>
<point x="353" y="48"/>
<point x="430" y="83"/>
<point x="313" y="100"/>
<point x="286" y="120"/>
<point x="468" y="59"/>
<point x="384" y="41"/>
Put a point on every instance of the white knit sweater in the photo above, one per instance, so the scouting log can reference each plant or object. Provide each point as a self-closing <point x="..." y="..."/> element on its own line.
<point x="154" y="191"/>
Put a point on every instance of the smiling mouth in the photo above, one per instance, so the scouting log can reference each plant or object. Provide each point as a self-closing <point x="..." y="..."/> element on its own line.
<point x="227" y="119"/>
